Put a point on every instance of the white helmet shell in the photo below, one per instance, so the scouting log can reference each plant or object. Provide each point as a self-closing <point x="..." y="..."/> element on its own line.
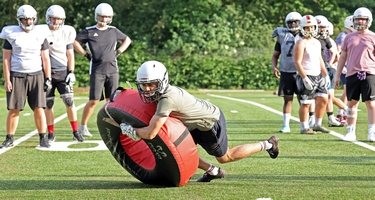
<point x="103" y="9"/>
<point x="152" y="72"/>
<point x="330" y="28"/>
<point x="348" y="23"/>
<point x="26" y="12"/>
<point x="362" y="13"/>
<point x="322" y="22"/>
<point x="293" y="16"/>
<point x="55" y="11"/>
<point x="308" y="20"/>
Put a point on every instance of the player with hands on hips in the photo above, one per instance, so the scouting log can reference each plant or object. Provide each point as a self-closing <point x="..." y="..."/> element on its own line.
<point x="101" y="40"/>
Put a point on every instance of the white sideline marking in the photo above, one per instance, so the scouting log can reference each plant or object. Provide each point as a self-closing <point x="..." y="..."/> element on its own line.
<point x="32" y="133"/>
<point x="64" y="146"/>
<point x="362" y="144"/>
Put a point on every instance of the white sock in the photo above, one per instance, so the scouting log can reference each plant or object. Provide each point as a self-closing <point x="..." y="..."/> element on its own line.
<point x="340" y="112"/>
<point x="213" y="170"/>
<point x="318" y="121"/>
<point x="265" y="145"/>
<point x="286" y="117"/>
<point x="350" y="128"/>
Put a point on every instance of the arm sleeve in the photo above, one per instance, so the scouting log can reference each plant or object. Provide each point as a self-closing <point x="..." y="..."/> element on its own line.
<point x="45" y="45"/>
<point x="120" y="36"/>
<point x="278" y="46"/>
<point x="7" y="45"/>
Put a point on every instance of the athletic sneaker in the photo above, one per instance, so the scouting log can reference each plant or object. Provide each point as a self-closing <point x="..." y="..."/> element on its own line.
<point x="274" y="151"/>
<point x="84" y="131"/>
<point x="321" y="129"/>
<point x="8" y="142"/>
<point x="350" y="136"/>
<point x="285" y="129"/>
<point x="307" y="131"/>
<point x="333" y="122"/>
<point x="208" y="177"/>
<point x="77" y="136"/>
<point x="43" y="142"/>
<point x="311" y="121"/>
<point x="51" y="137"/>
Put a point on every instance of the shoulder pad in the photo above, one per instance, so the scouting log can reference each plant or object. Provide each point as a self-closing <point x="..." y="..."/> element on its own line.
<point x="8" y="30"/>
<point x="279" y="31"/>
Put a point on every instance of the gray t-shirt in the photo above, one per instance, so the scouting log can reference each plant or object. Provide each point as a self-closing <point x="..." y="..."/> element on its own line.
<point x="286" y="41"/>
<point x="194" y="113"/>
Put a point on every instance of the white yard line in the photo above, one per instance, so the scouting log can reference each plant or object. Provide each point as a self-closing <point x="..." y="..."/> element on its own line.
<point x="362" y="144"/>
<point x="34" y="132"/>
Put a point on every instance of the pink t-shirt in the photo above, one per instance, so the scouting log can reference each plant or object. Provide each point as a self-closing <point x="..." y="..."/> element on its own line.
<point x="360" y="49"/>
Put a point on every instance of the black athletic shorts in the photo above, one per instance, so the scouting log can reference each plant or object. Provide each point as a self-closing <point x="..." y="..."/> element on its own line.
<point x="214" y="141"/>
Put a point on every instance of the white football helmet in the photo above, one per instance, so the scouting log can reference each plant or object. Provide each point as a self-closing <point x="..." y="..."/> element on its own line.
<point x="26" y="12"/>
<point x="322" y="22"/>
<point x="348" y="23"/>
<point x="103" y="9"/>
<point x="293" y="16"/>
<point x="330" y="28"/>
<point x="151" y="72"/>
<point x="55" y="11"/>
<point x="362" y="13"/>
<point x="308" y="20"/>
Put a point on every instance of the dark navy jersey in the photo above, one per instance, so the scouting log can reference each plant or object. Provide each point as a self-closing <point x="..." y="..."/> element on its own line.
<point x="102" y="44"/>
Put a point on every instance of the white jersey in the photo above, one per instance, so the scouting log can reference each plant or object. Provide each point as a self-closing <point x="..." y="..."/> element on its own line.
<point x="26" y="47"/>
<point x="286" y="41"/>
<point x="58" y="41"/>
<point x="311" y="56"/>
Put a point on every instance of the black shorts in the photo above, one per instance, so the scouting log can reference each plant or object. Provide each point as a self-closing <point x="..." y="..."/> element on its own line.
<point x="214" y="141"/>
<point x="58" y="82"/>
<point x="356" y="87"/>
<point x="26" y="85"/>
<point x="110" y="83"/>
<point x="307" y="96"/>
<point x="287" y="84"/>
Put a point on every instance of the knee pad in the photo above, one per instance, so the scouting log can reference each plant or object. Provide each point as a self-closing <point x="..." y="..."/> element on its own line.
<point x="68" y="100"/>
<point x="50" y="102"/>
<point x="351" y="113"/>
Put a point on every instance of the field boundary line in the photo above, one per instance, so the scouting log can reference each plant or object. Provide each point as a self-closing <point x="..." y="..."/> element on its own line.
<point x="339" y="135"/>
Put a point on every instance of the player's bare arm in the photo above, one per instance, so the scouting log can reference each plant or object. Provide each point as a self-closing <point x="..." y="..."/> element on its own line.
<point x="150" y="131"/>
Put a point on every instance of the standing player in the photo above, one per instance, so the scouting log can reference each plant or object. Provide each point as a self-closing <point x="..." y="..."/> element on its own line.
<point x="287" y="73"/>
<point x="25" y="58"/>
<point x="101" y="39"/>
<point x="326" y="45"/>
<point x="61" y="54"/>
<point x="357" y="52"/>
<point x="349" y="27"/>
<point x="312" y="77"/>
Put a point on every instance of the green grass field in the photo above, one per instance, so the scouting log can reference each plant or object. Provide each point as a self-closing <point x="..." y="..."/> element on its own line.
<point x="308" y="167"/>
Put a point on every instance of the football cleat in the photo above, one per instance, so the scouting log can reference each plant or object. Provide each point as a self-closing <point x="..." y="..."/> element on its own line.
<point x="285" y="129"/>
<point x="43" y="142"/>
<point x="333" y="122"/>
<point x="51" y="137"/>
<point x="84" y="131"/>
<point x="307" y="131"/>
<point x="274" y="151"/>
<point x="321" y="129"/>
<point x="208" y="177"/>
<point x="8" y="142"/>
<point x="77" y="136"/>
